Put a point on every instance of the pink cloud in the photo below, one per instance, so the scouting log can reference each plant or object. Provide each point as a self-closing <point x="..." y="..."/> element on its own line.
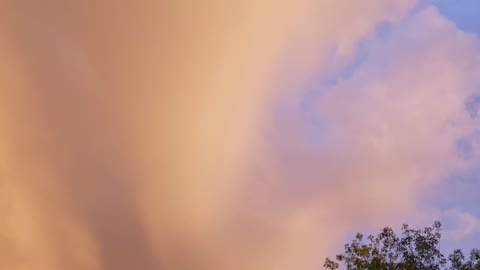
<point x="388" y="135"/>
<point x="148" y="145"/>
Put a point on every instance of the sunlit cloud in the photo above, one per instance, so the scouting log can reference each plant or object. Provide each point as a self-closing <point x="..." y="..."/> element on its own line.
<point x="172" y="134"/>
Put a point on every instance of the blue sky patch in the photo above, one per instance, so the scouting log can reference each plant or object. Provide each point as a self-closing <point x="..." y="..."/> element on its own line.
<point x="464" y="13"/>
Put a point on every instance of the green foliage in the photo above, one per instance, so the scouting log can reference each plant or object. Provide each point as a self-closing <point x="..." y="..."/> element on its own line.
<point x="412" y="250"/>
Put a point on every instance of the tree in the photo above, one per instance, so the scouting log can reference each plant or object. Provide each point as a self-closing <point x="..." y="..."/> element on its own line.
<point x="413" y="250"/>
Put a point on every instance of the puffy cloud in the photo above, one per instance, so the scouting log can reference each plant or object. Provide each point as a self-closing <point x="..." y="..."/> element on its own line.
<point x="382" y="137"/>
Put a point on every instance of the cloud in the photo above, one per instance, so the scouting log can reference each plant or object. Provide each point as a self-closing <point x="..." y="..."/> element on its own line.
<point x="138" y="136"/>
<point x="383" y="137"/>
<point x="464" y="224"/>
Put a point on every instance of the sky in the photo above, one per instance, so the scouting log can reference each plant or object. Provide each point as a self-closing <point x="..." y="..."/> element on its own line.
<point x="465" y="16"/>
<point x="454" y="198"/>
<point x="254" y="135"/>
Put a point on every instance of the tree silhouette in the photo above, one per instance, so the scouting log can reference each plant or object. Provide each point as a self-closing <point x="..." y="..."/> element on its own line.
<point x="412" y="250"/>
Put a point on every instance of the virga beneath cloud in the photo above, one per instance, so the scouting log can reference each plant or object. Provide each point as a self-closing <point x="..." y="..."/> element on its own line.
<point x="138" y="134"/>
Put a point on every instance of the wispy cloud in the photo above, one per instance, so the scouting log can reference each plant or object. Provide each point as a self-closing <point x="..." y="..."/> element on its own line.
<point x="463" y="224"/>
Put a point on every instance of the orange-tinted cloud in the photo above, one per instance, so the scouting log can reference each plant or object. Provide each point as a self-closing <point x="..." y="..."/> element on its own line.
<point x="129" y="129"/>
